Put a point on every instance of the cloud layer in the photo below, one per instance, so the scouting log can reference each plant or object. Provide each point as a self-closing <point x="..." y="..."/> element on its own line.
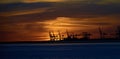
<point x="28" y="20"/>
<point x="82" y="1"/>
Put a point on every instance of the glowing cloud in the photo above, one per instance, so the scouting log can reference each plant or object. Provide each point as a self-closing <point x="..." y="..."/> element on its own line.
<point x="32" y="1"/>
<point x="83" y="1"/>
<point x="23" y="12"/>
<point x="29" y="1"/>
<point x="108" y="1"/>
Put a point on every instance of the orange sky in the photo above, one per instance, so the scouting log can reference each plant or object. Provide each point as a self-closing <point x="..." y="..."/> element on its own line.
<point x="31" y="20"/>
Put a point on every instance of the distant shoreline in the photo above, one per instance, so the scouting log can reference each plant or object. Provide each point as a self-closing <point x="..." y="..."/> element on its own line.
<point x="52" y="42"/>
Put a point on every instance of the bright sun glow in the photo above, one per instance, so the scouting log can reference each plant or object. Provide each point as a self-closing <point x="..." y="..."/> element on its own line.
<point x="59" y="23"/>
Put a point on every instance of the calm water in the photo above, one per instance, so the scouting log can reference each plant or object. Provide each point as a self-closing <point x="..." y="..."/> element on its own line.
<point x="60" y="51"/>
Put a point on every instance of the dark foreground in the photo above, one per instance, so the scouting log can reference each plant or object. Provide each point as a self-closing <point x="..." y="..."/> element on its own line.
<point x="60" y="51"/>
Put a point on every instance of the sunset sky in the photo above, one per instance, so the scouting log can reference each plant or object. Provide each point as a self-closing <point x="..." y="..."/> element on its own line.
<point x="31" y="20"/>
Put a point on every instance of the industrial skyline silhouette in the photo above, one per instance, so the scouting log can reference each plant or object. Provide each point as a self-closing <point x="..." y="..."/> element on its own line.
<point x="85" y="36"/>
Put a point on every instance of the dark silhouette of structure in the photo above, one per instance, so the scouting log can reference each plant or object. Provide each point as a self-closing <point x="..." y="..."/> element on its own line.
<point x="60" y="36"/>
<point x="85" y="37"/>
<point x="118" y="32"/>
<point x="102" y="34"/>
<point x="52" y="36"/>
